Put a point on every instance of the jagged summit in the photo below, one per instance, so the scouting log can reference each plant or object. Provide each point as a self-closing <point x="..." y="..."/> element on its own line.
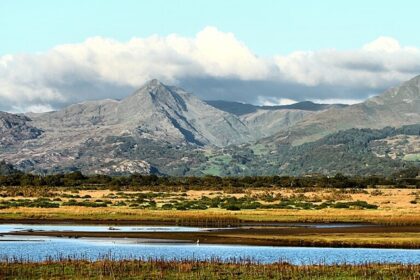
<point x="153" y="86"/>
<point x="155" y="93"/>
<point x="153" y="83"/>
<point x="168" y="128"/>
<point x="154" y="111"/>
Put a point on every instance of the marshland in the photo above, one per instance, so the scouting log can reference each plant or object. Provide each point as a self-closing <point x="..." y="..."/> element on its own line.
<point x="294" y="227"/>
<point x="196" y="269"/>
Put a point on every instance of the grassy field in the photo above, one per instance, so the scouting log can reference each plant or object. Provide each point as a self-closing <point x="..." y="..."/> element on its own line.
<point x="217" y="217"/>
<point x="412" y="157"/>
<point x="380" y="206"/>
<point x="395" y="214"/>
<point x="158" y="269"/>
<point x="395" y="211"/>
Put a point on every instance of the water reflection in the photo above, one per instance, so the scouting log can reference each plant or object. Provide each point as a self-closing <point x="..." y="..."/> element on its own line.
<point x="38" y="248"/>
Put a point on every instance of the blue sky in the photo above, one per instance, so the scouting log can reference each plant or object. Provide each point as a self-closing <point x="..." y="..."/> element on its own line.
<point x="267" y="27"/>
<point x="55" y="53"/>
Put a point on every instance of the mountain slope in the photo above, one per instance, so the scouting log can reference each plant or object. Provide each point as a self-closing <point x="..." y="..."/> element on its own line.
<point x="96" y="136"/>
<point x="166" y="130"/>
<point x="264" y="123"/>
<point x="155" y="111"/>
<point x="15" y="128"/>
<point x="352" y="152"/>
<point x="396" y="107"/>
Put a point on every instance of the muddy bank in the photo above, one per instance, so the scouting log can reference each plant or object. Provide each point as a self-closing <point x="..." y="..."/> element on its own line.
<point x="180" y="222"/>
<point x="266" y="236"/>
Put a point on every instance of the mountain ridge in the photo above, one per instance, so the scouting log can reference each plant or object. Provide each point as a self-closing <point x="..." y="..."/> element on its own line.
<point x="387" y="109"/>
<point x="167" y="130"/>
<point x="239" y="109"/>
<point x="154" y="110"/>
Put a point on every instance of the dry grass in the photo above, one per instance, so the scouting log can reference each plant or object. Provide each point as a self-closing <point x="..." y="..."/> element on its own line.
<point x="383" y="240"/>
<point x="395" y="207"/>
<point x="381" y="216"/>
<point x="388" y="198"/>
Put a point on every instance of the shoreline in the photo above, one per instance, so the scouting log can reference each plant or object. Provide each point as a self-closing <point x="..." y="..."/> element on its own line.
<point x="338" y="237"/>
<point x="111" y="222"/>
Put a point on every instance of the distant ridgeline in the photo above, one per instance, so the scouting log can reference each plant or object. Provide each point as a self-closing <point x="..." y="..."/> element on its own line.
<point x="167" y="131"/>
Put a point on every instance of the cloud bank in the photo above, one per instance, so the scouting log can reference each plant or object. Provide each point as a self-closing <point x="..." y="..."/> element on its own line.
<point x="213" y="64"/>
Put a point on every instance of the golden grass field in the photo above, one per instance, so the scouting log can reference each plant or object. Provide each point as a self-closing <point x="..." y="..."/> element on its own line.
<point x="395" y="207"/>
<point x="398" y="215"/>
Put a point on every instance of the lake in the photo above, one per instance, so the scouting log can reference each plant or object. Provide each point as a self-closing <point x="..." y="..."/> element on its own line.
<point x="7" y="228"/>
<point x="37" y="248"/>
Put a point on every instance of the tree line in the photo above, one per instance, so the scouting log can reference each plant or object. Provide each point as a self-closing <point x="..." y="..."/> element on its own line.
<point x="11" y="177"/>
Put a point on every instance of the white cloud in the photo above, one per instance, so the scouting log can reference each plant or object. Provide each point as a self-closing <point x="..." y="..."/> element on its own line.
<point x="273" y="101"/>
<point x="210" y="53"/>
<point x="222" y="55"/>
<point x="378" y="63"/>
<point x="99" y="67"/>
<point x="36" y="108"/>
<point x="337" y="101"/>
<point x="383" y="44"/>
<point x="19" y="91"/>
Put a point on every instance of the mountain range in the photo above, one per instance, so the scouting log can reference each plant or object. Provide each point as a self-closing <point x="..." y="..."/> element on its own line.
<point x="239" y="109"/>
<point x="167" y="130"/>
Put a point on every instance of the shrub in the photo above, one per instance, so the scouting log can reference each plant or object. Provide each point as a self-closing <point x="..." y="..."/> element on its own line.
<point x="233" y="207"/>
<point x="167" y="206"/>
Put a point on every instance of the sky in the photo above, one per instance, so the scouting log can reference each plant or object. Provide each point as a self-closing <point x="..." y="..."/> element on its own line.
<point x="54" y="53"/>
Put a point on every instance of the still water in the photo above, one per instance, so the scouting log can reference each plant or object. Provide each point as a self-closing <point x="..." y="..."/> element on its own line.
<point x="38" y="248"/>
<point x="6" y="228"/>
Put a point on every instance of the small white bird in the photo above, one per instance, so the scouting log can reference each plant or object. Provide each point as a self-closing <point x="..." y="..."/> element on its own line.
<point x="198" y="242"/>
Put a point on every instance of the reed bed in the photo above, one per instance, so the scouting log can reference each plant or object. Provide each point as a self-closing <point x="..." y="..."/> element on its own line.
<point x="213" y="217"/>
<point x="109" y="268"/>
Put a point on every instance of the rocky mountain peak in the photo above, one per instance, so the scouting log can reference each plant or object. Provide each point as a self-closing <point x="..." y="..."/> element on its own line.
<point x="155" y="92"/>
<point x="153" y="83"/>
<point x="167" y="128"/>
<point x="407" y="92"/>
<point x="153" y="86"/>
<point x="150" y="99"/>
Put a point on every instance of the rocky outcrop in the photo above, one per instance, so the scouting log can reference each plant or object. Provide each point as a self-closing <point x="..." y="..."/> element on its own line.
<point x="15" y="128"/>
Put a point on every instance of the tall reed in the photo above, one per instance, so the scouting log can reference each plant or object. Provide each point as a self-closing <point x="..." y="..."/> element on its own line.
<point x="109" y="268"/>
